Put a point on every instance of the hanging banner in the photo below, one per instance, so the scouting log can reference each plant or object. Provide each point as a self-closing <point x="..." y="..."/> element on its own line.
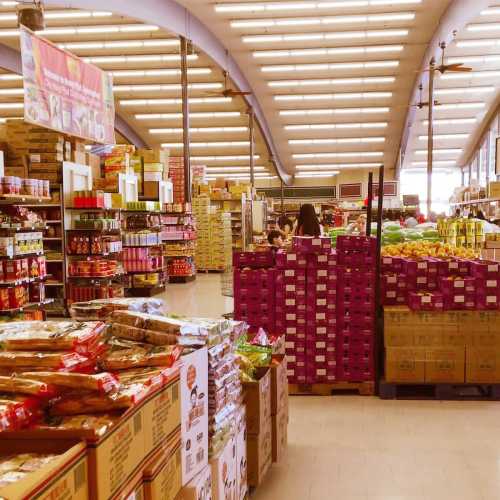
<point x="64" y="93"/>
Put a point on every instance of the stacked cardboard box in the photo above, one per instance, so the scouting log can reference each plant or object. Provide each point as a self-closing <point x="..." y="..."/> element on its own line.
<point x="356" y="308"/>
<point x="279" y="407"/>
<point x="176" y="175"/>
<point x="449" y="346"/>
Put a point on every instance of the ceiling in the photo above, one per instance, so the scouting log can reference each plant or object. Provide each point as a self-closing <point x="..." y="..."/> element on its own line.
<point x="334" y="78"/>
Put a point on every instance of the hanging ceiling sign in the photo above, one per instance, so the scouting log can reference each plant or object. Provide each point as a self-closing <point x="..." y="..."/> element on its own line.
<point x="64" y="93"/>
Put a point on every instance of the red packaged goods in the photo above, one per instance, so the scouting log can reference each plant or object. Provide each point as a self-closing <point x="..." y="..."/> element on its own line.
<point x="431" y="301"/>
<point x="485" y="269"/>
<point x="465" y="301"/>
<point x="318" y="260"/>
<point x="290" y="260"/>
<point x="392" y="264"/>
<point x="253" y="259"/>
<point x="22" y="360"/>
<point x="17" y="385"/>
<point x="457" y="285"/>
<point x="487" y="300"/>
<point x="310" y="244"/>
<point x="356" y="244"/>
<point x="24" y="409"/>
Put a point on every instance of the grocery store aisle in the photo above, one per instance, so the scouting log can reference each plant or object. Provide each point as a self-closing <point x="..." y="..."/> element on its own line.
<point x="201" y="297"/>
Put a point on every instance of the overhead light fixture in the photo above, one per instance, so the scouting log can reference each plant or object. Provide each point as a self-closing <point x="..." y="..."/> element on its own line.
<point x="464" y="90"/>
<point x="315" y="175"/>
<point x="176" y="116"/>
<point x="226" y="144"/>
<point x="451" y="121"/>
<point x="161" y="102"/>
<point x="491" y="11"/>
<point x="137" y="59"/>
<point x="444" y="137"/>
<point x="11" y="105"/>
<point x="441" y="163"/>
<point x="224" y="158"/>
<point x="375" y="49"/>
<point x="199" y="130"/>
<point x="336" y="126"/>
<point x="57" y="14"/>
<point x="459" y="105"/>
<point x="337" y="166"/>
<point x="10" y="77"/>
<point x="484" y="27"/>
<point x="331" y="97"/>
<point x="314" y="37"/>
<point x="167" y="87"/>
<point x="485" y="42"/>
<point x="333" y="81"/>
<point x="293" y="6"/>
<point x="19" y="91"/>
<point x="120" y="44"/>
<point x="145" y="73"/>
<point x="445" y="151"/>
<point x="474" y="59"/>
<point x="474" y="76"/>
<point x="336" y="111"/>
<point x="361" y="154"/>
<point x="322" y="21"/>
<point x="342" y="140"/>
<point x="304" y="68"/>
<point x="85" y="30"/>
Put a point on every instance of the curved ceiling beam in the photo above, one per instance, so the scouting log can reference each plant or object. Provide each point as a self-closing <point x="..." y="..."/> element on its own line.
<point x="455" y="18"/>
<point x="171" y="16"/>
<point x="10" y="59"/>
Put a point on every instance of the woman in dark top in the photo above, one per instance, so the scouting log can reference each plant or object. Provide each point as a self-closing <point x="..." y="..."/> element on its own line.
<point x="308" y="223"/>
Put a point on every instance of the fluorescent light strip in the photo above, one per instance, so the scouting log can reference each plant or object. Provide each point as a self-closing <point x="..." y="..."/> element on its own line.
<point x="483" y="27"/>
<point x="10" y="77"/>
<point x="313" y="37"/>
<point x="474" y="59"/>
<point x="364" y="154"/>
<point x="442" y="163"/>
<point x="228" y="144"/>
<point x="167" y="87"/>
<point x="234" y="169"/>
<point x="460" y="105"/>
<point x="464" y="90"/>
<point x="337" y="111"/>
<point x="199" y="130"/>
<point x="9" y="4"/>
<point x="57" y="14"/>
<point x="304" y="68"/>
<point x="333" y="81"/>
<point x="376" y="49"/>
<point x="85" y="30"/>
<point x="316" y="175"/>
<point x="4" y="119"/>
<point x="141" y="73"/>
<point x="135" y="59"/>
<point x="120" y="44"/>
<point x="444" y="137"/>
<point x="448" y="151"/>
<point x="322" y="21"/>
<point x="177" y="116"/>
<point x="491" y="11"/>
<point x="293" y="6"/>
<point x="343" y="140"/>
<point x="11" y="105"/>
<point x="475" y="76"/>
<point x="257" y="175"/>
<point x="161" y="102"/>
<point x="485" y="42"/>
<point x="18" y="91"/>
<point x="336" y="126"/>
<point x="224" y="158"/>
<point x="333" y="97"/>
<point x="337" y="166"/>
<point x="451" y="121"/>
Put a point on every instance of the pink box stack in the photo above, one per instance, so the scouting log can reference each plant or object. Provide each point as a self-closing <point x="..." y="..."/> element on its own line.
<point x="356" y="308"/>
<point x="306" y="308"/>
<point x="255" y="290"/>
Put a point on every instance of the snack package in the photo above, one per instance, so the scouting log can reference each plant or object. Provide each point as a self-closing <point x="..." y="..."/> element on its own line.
<point x="124" y="354"/>
<point x="24" y="410"/>
<point x="17" y="385"/>
<point x="16" y="360"/>
<point x="100" y="424"/>
<point x="100" y="382"/>
<point x="15" y="468"/>
<point x="150" y="376"/>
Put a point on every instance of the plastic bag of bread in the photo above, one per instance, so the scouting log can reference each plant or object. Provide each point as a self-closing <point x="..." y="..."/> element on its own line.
<point x="26" y="409"/>
<point x="124" y="354"/>
<point x="51" y="336"/>
<point x="19" y="360"/>
<point x="146" y="376"/>
<point x="18" y="385"/>
<point x="100" y="382"/>
<point x="128" y="332"/>
<point x="99" y="423"/>
<point x="160" y="338"/>
<point x="14" y="468"/>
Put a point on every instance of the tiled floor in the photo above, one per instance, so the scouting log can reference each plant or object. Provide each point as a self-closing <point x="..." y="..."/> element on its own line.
<point x="363" y="448"/>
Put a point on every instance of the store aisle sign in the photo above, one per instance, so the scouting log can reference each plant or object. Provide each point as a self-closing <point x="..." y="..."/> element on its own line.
<point x="64" y="93"/>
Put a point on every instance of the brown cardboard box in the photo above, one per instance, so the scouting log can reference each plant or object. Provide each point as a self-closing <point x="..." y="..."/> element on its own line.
<point x="132" y="490"/>
<point x="64" y="477"/>
<point x="151" y="190"/>
<point x="401" y="337"/>
<point x="397" y="317"/>
<point x="405" y="364"/>
<point x="445" y="364"/>
<point x="259" y="453"/>
<point x="79" y="157"/>
<point x="494" y="189"/>
<point x="199" y="488"/>
<point x="428" y="336"/>
<point x="163" y="476"/>
<point x="482" y="365"/>
<point x="223" y="466"/>
<point x="257" y="397"/>
<point x="280" y="435"/>
<point x="279" y="385"/>
<point x="17" y="171"/>
<point x="241" y="453"/>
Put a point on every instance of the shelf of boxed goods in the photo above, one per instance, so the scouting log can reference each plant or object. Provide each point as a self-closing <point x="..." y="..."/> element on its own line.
<point x="178" y="238"/>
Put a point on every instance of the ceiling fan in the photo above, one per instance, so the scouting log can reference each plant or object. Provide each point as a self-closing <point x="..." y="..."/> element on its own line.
<point x="228" y="91"/>
<point x="455" y="67"/>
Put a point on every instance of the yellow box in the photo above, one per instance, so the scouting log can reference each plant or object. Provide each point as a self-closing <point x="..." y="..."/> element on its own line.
<point x="445" y="364"/>
<point x="405" y="364"/>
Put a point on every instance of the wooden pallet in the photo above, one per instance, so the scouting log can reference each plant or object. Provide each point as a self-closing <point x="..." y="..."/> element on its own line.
<point x="439" y="392"/>
<point x="362" y="388"/>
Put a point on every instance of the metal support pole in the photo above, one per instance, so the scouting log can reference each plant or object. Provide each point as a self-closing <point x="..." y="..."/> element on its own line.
<point x="251" y="139"/>
<point x="430" y="136"/>
<point x="370" y="204"/>
<point x="185" y="119"/>
<point x="282" y="196"/>
<point x="379" y="329"/>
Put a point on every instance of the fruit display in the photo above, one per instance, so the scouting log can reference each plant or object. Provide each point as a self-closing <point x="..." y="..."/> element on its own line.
<point x="419" y="249"/>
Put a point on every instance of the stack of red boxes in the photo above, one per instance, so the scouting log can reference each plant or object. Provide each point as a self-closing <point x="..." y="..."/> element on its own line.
<point x="255" y="289"/>
<point x="176" y="175"/>
<point x="306" y="309"/>
<point x="356" y="257"/>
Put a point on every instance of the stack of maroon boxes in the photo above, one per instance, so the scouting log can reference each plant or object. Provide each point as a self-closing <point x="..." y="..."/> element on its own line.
<point x="306" y="309"/>
<point x="255" y="289"/>
<point x="356" y="256"/>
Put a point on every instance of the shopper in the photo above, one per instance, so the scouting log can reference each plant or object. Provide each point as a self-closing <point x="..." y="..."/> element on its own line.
<point x="275" y="239"/>
<point x="285" y="224"/>
<point x="308" y="223"/>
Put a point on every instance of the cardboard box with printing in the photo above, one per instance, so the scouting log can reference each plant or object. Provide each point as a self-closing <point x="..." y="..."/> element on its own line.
<point x="280" y="435"/>
<point x="259" y="453"/>
<point x="199" y="488"/>
<point x="241" y="454"/>
<point x="405" y="364"/>
<point x="223" y="466"/>
<point x="279" y="385"/>
<point x="445" y="365"/>
<point x="482" y="365"/>
<point x="257" y="396"/>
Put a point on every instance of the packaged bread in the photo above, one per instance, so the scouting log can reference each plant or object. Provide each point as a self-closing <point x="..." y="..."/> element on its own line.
<point x="26" y="386"/>
<point x="51" y="336"/>
<point x="15" y="468"/>
<point x="26" y="409"/>
<point x="124" y="354"/>
<point x="18" y="360"/>
<point x="159" y="338"/>
<point x="125" y="331"/>
<point x="100" y="423"/>
<point x="146" y="376"/>
<point x="100" y="382"/>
